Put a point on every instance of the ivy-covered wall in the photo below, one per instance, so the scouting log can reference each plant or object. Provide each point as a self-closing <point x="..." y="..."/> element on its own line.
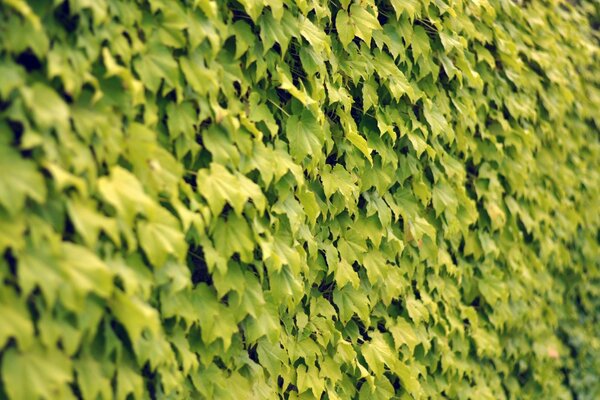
<point x="299" y="199"/>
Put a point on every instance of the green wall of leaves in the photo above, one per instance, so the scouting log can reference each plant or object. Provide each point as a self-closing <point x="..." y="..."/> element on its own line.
<point x="299" y="199"/>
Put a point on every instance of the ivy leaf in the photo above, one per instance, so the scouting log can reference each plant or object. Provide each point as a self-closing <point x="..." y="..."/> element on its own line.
<point x="436" y="121"/>
<point x="91" y="379"/>
<point x="219" y="186"/>
<point x="411" y="7"/>
<point x="343" y="271"/>
<point x="161" y="238"/>
<point x="273" y="31"/>
<point x="272" y="356"/>
<point x="308" y="378"/>
<point x="125" y="193"/>
<point x="351" y="133"/>
<point x="443" y="198"/>
<point x="13" y="77"/>
<point x="403" y="333"/>
<point x="497" y="216"/>
<point x="420" y="43"/>
<point x="16" y="320"/>
<point x="287" y="84"/>
<point x="309" y="204"/>
<point x="233" y="236"/>
<point x="202" y="79"/>
<point x="181" y="119"/>
<point x="80" y="272"/>
<point x="156" y="168"/>
<point x="375" y="264"/>
<point x="135" y="314"/>
<point x="351" y="301"/>
<point x="36" y="373"/>
<point x="344" y="27"/>
<point x="370" y="96"/>
<point x="89" y="223"/>
<point x="285" y="287"/>
<point x="396" y="80"/>
<point x="12" y="232"/>
<point x="380" y="389"/>
<point x="364" y="22"/>
<point x="155" y="65"/>
<point x="305" y="136"/>
<point x="360" y="143"/>
<point x="408" y="376"/>
<point x="22" y="182"/>
<point x="377" y="353"/>
<point x="47" y="107"/>
<point x="264" y="324"/>
<point x="339" y="180"/>
<point x="253" y="7"/>
<point x="416" y="310"/>
<point x="129" y="382"/>
<point x="216" y="321"/>
<point x="314" y="35"/>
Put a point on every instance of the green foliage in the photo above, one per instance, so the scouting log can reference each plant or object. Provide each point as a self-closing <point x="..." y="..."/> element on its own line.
<point x="325" y="199"/>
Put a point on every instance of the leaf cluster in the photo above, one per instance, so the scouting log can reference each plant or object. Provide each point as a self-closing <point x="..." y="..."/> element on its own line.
<point x="299" y="199"/>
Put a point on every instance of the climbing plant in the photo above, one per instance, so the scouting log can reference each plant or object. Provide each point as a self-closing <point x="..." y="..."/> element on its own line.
<point x="299" y="199"/>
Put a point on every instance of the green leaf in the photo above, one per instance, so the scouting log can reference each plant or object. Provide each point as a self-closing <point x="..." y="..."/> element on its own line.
<point x="36" y="373"/>
<point x="403" y="333"/>
<point x="135" y="315"/>
<point x="219" y="186"/>
<point x="89" y="223"/>
<point x="91" y="379"/>
<point x="416" y="310"/>
<point x="216" y="320"/>
<point x="315" y="36"/>
<point x="161" y="238"/>
<point x="47" y="107"/>
<point x="305" y="135"/>
<point x="408" y="376"/>
<point x="380" y="389"/>
<point x="343" y="271"/>
<point x="285" y="287"/>
<point x="23" y="181"/>
<point x="420" y="43"/>
<point x="233" y="236"/>
<point x="370" y="96"/>
<point x="202" y="79"/>
<point x="351" y="301"/>
<point x="378" y="354"/>
<point x="253" y="8"/>
<point x="125" y="193"/>
<point x="272" y="356"/>
<point x="364" y="22"/>
<point x="156" y="168"/>
<point x="16" y="320"/>
<point x="181" y="119"/>
<point x="82" y="273"/>
<point x="13" y="77"/>
<point x="396" y="80"/>
<point x="309" y="204"/>
<point x="437" y="122"/>
<point x="411" y="7"/>
<point x="444" y="198"/>
<point x="280" y="32"/>
<point x="344" y="27"/>
<point x="129" y="382"/>
<point x="12" y="232"/>
<point x="351" y="133"/>
<point x="157" y="64"/>
<point x="339" y="180"/>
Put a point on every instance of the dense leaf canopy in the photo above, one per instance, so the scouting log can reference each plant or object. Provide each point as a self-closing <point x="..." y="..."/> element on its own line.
<point x="299" y="199"/>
